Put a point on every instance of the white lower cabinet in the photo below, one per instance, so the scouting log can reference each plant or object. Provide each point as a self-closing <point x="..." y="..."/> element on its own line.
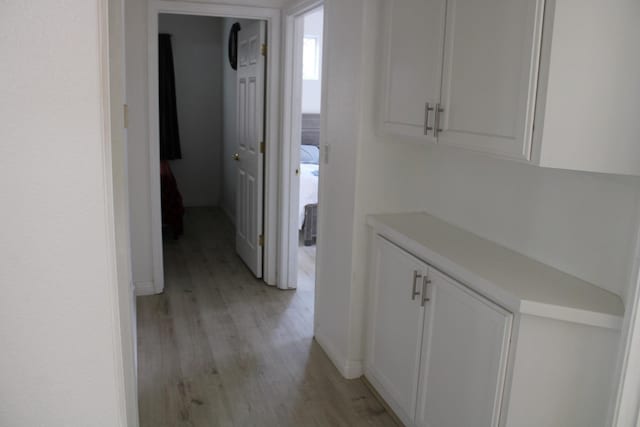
<point x="396" y="333"/>
<point x="437" y="351"/>
<point x="465" y="344"/>
<point x="508" y="348"/>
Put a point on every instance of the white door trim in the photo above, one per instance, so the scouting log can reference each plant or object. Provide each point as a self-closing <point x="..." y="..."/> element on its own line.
<point x="110" y="49"/>
<point x="272" y="131"/>
<point x="626" y="405"/>
<point x="291" y="108"/>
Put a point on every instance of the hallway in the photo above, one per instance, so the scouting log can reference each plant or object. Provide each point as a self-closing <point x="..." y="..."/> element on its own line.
<point x="219" y="347"/>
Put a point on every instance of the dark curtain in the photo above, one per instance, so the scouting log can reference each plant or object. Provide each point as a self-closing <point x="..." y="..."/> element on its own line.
<point x="169" y="135"/>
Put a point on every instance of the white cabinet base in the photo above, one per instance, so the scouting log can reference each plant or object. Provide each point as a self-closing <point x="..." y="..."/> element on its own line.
<point x="562" y="374"/>
<point x="506" y="341"/>
<point x="465" y="346"/>
<point x="396" y="331"/>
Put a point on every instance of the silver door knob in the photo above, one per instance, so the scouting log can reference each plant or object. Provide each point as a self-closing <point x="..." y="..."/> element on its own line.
<point x="236" y="157"/>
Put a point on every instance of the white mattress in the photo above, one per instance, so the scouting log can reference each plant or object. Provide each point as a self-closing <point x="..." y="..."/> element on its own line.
<point x="308" y="189"/>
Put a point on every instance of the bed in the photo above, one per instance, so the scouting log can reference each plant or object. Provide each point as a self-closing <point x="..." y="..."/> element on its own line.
<point x="309" y="161"/>
<point x="309" y="155"/>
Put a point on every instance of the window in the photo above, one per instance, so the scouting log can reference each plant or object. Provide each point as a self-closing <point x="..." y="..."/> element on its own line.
<point x="310" y="58"/>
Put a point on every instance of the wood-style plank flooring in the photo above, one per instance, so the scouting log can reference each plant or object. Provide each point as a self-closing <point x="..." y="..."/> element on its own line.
<point x="306" y="266"/>
<point x="220" y="348"/>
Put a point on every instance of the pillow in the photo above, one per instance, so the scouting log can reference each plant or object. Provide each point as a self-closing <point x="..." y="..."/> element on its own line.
<point x="309" y="154"/>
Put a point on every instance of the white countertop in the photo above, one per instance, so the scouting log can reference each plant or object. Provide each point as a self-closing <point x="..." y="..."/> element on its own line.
<point x="510" y="279"/>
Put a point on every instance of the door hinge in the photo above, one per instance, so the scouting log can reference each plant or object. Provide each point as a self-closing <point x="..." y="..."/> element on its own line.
<point x="126" y="116"/>
<point x="261" y="240"/>
<point x="263" y="49"/>
<point x="262" y="147"/>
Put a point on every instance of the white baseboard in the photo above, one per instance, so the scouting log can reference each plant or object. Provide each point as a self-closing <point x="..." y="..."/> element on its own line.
<point x="353" y="369"/>
<point x="350" y="369"/>
<point x="144" y="288"/>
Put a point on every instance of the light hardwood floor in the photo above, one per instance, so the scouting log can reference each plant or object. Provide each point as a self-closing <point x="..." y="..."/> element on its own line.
<point x="306" y="265"/>
<point x="220" y="348"/>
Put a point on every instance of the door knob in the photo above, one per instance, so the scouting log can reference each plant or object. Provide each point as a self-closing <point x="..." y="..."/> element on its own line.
<point x="236" y="157"/>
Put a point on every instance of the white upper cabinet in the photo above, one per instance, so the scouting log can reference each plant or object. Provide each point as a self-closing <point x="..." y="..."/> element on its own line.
<point x="490" y="73"/>
<point x="413" y="39"/>
<point x="553" y="83"/>
<point x="588" y="106"/>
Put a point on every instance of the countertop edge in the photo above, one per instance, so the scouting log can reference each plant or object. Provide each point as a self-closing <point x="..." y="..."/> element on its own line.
<point x="490" y="290"/>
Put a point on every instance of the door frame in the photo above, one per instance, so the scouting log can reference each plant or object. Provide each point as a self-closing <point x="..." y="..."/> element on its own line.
<point x="626" y="399"/>
<point x="291" y="108"/>
<point x="272" y="123"/>
<point x="121" y="299"/>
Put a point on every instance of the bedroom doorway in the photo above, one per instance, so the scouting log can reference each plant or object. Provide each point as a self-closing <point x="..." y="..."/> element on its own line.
<point x="309" y="172"/>
<point x="211" y="119"/>
<point x="237" y="168"/>
<point x="305" y="68"/>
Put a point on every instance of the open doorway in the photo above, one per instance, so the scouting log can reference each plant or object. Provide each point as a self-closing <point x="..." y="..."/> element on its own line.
<point x="309" y="120"/>
<point x="302" y="140"/>
<point x="256" y="157"/>
<point x="211" y="117"/>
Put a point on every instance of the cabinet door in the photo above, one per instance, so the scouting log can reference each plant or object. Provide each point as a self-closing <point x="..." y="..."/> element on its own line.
<point x="395" y="327"/>
<point x="413" y="40"/>
<point x="490" y="75"/>
<point x="464" y="355"/>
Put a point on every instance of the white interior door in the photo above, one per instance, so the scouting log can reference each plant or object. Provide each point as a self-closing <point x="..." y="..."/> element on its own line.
<point x="296" y="138"/>
<point x="250" y="134"/>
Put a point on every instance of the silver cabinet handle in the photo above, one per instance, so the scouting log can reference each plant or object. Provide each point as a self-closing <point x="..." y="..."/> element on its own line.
<point x="436" y="120"/>
<point x="414" y="292"/>
<point x="425" y="288"/>
<point x="427" y="109"/>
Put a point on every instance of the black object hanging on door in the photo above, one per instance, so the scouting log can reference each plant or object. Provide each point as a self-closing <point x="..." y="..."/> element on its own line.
<point x="169" y="135"/>
<point x="233" y="45"/>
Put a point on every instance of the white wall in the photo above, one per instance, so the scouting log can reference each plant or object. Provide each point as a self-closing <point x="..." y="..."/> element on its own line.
<point x="137" y="98"/>
<point x="581" y="223"/>
<point x="337" y="187"/>
<point x="60" y="360"/>
<point x="312" y="89"/>
<point x="197" y="48"/>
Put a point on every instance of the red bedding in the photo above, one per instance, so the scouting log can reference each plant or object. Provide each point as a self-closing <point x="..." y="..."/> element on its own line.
<point x="171" y="200"/>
